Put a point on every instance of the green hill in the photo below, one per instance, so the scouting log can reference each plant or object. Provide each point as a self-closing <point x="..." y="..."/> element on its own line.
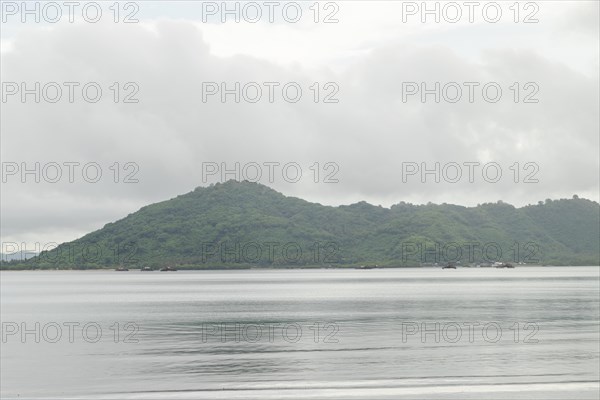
<point x="240" y="224"/>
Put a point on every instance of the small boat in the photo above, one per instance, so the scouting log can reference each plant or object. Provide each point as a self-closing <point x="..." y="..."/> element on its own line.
<point x="145" y="269"/>
<point x="168" y="269"/>
<point x="505" y="265"/>
<point x="121" y="269"/>
<point x="449" y="266"/>
<point x="366" y="267"/>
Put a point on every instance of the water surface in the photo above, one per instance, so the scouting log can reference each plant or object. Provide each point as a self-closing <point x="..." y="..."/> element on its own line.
<point x="412" y="333"/>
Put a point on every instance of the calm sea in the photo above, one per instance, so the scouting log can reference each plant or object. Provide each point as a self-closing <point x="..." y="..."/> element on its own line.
<point x="258" y="334"/>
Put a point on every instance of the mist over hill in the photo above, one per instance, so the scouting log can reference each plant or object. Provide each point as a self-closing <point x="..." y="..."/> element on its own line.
<point x="242" y="224"/>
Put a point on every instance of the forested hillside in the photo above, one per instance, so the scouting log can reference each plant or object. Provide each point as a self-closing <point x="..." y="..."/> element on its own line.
<point x="240" y="224"/>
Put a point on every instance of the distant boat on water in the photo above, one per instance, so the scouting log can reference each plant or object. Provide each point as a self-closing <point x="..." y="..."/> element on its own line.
<point x="449" y="266"/>
<point x="505" y="265"/>
<point x="145" y="269"/>
<point x="366" y="267"/>
<point x="168" y="269"/>
<point x="121" y="269"/>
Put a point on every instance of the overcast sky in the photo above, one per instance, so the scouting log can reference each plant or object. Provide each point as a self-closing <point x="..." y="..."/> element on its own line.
<point x="368" y="144"/>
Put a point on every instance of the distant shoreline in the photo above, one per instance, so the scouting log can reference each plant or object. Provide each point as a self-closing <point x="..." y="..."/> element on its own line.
<point x="282" y="268"/>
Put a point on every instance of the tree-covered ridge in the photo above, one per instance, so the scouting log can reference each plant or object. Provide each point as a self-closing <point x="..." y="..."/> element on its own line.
<point x="239" y="224"/>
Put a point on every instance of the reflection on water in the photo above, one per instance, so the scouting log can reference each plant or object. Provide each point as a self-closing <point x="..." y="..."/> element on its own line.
<point x="417" y="333"/>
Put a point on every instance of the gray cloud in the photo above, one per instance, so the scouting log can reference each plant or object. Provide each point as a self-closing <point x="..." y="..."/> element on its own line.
<point x="369" y="134"/>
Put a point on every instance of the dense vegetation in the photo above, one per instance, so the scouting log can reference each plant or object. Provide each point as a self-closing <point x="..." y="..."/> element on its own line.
<point x="241" y="224"/>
